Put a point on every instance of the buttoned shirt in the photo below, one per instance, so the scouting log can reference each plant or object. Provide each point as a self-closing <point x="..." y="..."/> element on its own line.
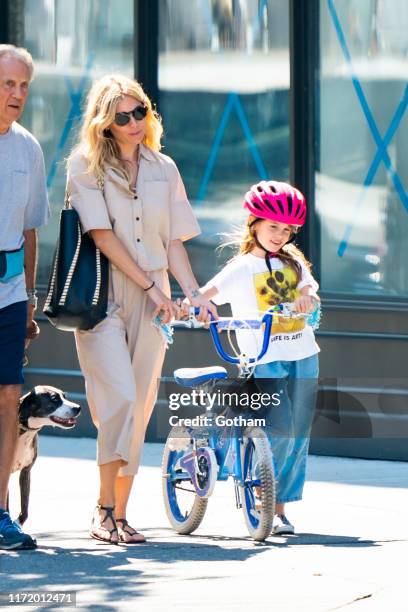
<point x="145" y="221"/>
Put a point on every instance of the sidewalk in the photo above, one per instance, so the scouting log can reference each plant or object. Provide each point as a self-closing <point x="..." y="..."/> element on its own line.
<point x="350" y="551"/>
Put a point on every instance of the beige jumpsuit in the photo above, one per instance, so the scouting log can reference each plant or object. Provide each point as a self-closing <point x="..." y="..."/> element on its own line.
<point x="121" y="358"/>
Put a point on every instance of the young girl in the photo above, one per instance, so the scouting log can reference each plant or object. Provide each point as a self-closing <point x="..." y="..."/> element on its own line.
<point x="269" y="270"/>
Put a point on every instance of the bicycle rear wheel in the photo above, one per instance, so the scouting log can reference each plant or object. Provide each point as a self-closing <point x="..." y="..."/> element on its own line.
<point x="258" y="492"/>
<point x="184" y="508"/>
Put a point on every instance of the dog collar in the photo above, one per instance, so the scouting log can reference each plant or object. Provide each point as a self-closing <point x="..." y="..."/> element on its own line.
<point x="27" y="428"/>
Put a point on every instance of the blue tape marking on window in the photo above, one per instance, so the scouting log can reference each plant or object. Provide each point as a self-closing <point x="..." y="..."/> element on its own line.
<point x="74" y="115"/>
<point x="251" y="143"/>
<point x="381" y="143"/>
<point x="214" y="150"/>
<point x="259" y="18"/>
<point x="233" y="101"/>
<point x="395" y="122"/>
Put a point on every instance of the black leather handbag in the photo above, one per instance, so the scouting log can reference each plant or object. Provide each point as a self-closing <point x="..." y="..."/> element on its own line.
<point x="77" y="295"/>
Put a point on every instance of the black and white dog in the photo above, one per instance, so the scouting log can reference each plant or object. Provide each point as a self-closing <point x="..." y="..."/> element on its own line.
<point x="42" y="406"/>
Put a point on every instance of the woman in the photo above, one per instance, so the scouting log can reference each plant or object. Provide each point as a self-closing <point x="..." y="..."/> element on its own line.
<point x="132" y="201"/>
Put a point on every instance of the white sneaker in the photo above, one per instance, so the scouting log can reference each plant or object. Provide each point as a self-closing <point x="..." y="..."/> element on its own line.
<point x="282" y="525"/>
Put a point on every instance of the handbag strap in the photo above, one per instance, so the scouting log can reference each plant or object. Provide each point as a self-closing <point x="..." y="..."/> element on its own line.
<point x="67" y="205"/>
<point x="101" y="185"/>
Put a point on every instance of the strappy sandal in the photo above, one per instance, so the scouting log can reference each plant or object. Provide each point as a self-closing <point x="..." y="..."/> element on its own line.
<point x="132" y="533"/>
<point x="94" y="528"/>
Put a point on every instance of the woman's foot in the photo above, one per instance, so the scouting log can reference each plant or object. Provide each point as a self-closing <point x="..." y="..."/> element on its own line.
<point x="127" y="534"/>
<point x="104" y="526"/>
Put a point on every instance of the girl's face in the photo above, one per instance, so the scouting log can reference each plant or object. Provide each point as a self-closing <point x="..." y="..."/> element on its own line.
<point x="272" y="234"/>
<point x="134" y="131"/>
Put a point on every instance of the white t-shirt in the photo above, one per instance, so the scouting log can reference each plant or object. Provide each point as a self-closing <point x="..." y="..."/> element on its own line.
<point x="247" y="285"/>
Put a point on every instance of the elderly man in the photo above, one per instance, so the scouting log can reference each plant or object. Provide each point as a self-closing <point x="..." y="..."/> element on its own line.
<point x="23" y="208"/>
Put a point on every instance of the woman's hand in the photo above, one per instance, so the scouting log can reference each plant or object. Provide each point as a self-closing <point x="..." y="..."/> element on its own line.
<point x="164" y="306"/>
<point x="183" y="309"/>
<point x="304" y="304"/>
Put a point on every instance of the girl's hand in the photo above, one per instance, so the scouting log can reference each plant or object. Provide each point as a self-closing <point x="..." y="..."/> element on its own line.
<point x="205" y="306"/>
<point x="304" y="304"/>
<point x="164" y="306"/>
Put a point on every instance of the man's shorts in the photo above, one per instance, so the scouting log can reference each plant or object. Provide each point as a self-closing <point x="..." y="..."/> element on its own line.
<point x="13" y="322"/>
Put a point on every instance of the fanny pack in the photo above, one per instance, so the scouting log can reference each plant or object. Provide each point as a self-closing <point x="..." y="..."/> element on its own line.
<point x="11" y="264"/>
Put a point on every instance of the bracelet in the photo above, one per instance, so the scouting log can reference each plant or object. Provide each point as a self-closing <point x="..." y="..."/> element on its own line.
<point x="32" y="297"/>
<point x="150" y="286"/>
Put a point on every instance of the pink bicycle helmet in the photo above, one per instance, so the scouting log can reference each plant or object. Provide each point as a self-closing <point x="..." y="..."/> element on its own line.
<point x="276" y="202"/>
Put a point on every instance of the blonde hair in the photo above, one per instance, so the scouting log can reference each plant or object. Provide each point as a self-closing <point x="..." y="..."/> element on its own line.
<point x="18" y="53"/>
<point x="96" y="143"/>
<point x="243" y="242"/>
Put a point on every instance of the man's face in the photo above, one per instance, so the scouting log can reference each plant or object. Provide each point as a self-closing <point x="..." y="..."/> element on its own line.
<point x="14" y="84"/>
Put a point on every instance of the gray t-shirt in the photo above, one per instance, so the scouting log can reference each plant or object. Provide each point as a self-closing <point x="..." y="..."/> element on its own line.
<point x="23" y="199"/>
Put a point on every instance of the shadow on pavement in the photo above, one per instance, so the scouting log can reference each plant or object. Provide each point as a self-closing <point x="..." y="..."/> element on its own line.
<point x="104" y="575"/>
<point x="112" y="573"/>
<point x="299" y="539"/>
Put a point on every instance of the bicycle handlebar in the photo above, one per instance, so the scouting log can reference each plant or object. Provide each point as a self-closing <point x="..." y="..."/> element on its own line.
<point x="233" y="324"/>
<point x="283" y="310"/>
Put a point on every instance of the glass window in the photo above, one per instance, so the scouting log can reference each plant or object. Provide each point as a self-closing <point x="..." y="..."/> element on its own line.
<point x="361" y="179"/>
<point x="72" y="44"/>
<point x="224" y="99"/>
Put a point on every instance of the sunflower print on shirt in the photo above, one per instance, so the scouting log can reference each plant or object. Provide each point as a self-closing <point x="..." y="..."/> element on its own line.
<point x="276" y="288"/>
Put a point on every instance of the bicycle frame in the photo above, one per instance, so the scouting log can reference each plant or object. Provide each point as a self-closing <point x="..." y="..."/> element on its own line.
<point x="227" y="447"/>
<point x="209" y="450"/>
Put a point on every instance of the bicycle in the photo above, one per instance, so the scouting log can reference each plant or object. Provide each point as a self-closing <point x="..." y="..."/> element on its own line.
<point x="195" y="458"/>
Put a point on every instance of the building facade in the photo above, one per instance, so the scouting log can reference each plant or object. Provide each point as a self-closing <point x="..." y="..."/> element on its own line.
<point x="314" y="91"/>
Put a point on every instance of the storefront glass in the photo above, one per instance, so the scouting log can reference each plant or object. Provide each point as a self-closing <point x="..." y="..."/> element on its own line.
<point x="362" y="173"/>
<point x="224" y="98"/>
<point x="72" y="43"/>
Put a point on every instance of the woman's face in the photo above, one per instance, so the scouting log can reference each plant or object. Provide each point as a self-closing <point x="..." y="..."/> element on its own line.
<point x="134" y="131"/>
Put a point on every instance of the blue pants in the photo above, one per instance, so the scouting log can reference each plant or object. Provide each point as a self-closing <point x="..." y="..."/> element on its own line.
<point x="289" y="424"/>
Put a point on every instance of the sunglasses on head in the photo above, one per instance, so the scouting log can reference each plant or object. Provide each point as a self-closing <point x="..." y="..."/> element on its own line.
<point x="138" y="113"/>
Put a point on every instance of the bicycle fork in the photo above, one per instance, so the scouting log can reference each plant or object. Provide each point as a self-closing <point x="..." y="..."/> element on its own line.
<point x="238" y="477"/>
<point x="238" y="501"/>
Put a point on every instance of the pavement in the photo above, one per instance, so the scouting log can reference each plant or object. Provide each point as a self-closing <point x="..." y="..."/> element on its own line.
<point x="349" y="552"/>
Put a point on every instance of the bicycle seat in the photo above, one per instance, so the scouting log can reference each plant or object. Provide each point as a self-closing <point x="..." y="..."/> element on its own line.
<point x="192" y="377"/>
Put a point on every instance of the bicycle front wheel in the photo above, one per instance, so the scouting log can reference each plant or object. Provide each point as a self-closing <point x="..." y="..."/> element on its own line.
<point x="258" y="492"/>
<point x="184" y="508"/>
